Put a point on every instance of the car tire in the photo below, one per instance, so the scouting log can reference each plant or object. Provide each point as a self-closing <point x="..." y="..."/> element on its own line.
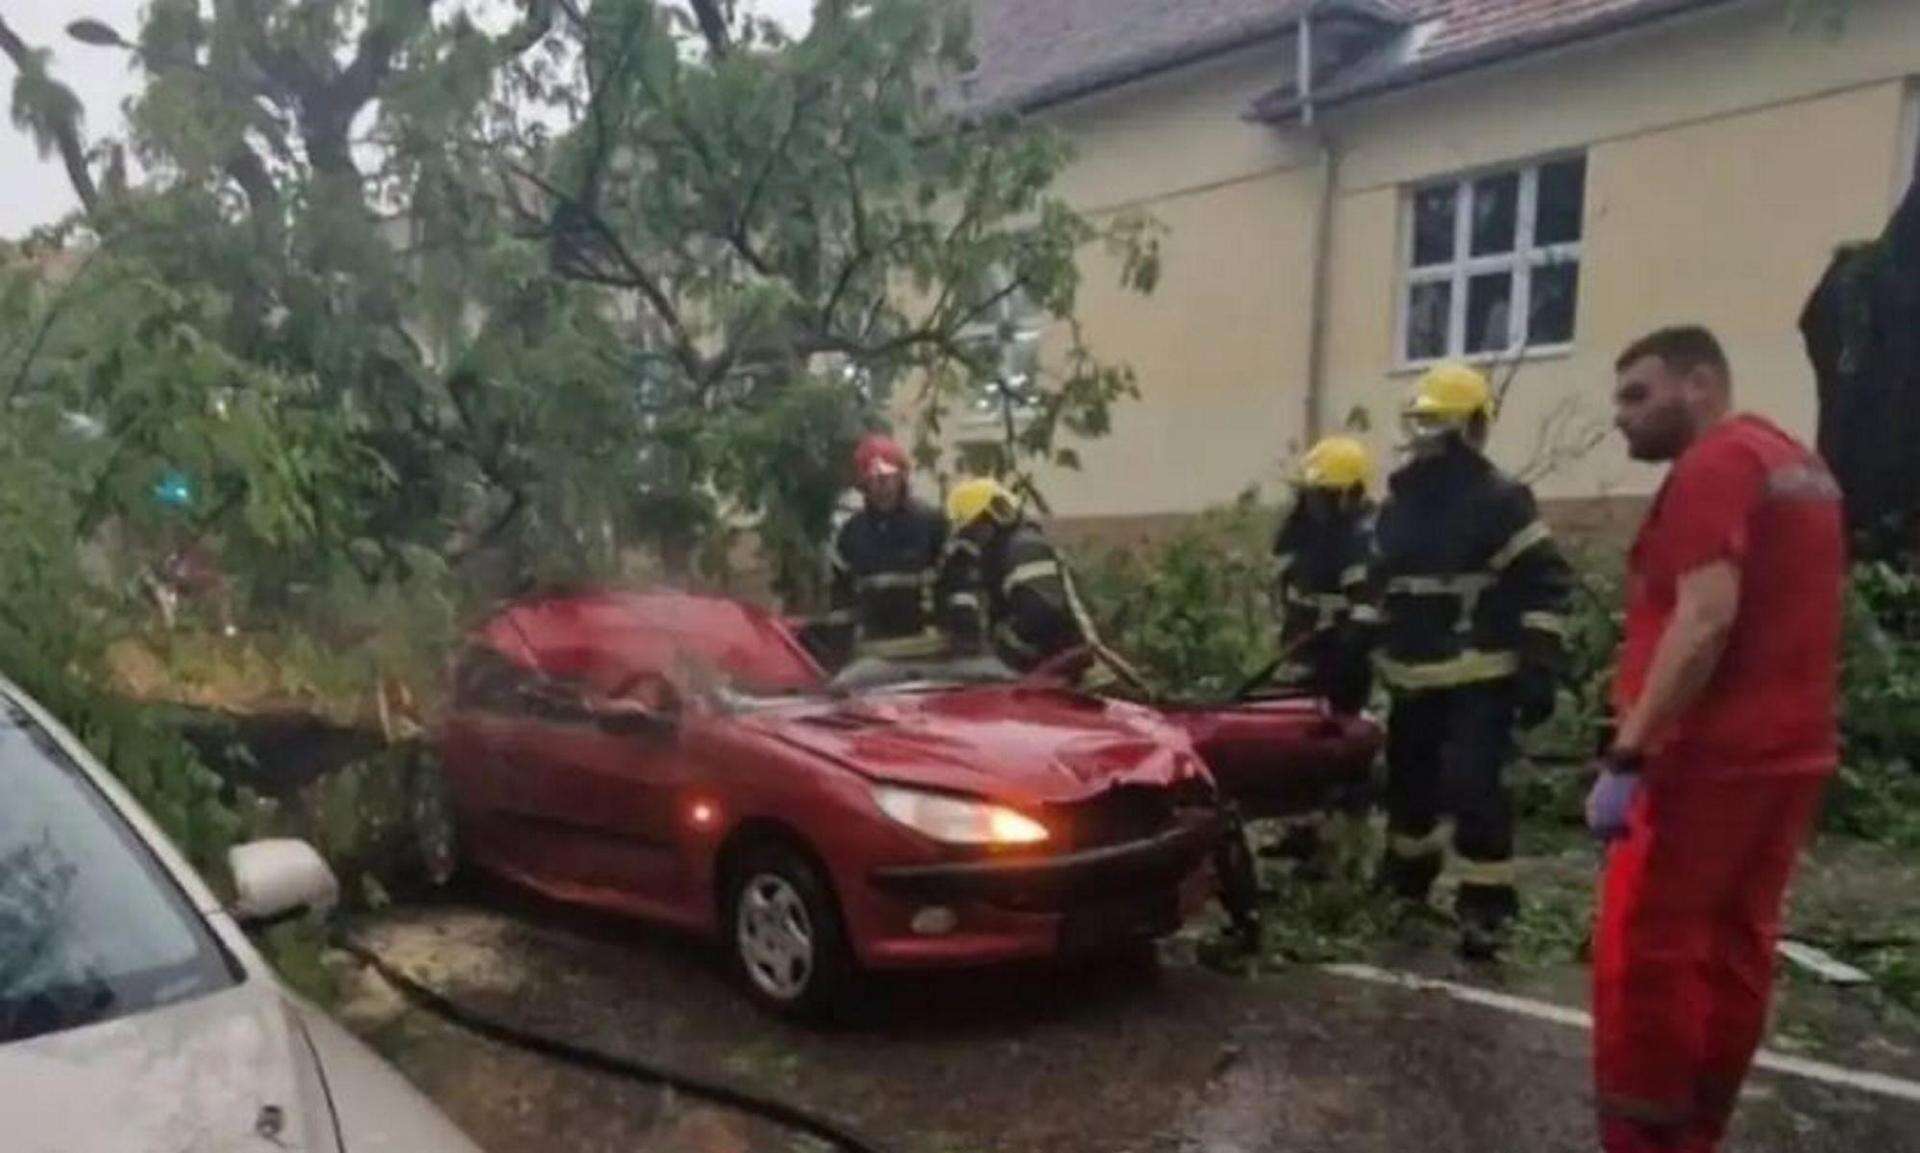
<point x="433" y="828"/>
<point x="784" y="936"/>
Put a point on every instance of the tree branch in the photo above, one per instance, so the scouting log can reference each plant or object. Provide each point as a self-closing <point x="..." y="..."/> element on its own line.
<point x="637" y="276"/>
<point x="532" y="29"/>
<point x="713" y="26"/>
<point x="63" y="125"/>
<point x="288" y="73"/>
<point x="251" y="174"/>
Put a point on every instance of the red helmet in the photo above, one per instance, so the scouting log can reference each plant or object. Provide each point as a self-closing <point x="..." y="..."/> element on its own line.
<point x="878" y="454"/>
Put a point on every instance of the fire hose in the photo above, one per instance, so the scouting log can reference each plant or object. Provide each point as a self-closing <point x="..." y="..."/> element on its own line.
<point x="474" y="1021"/>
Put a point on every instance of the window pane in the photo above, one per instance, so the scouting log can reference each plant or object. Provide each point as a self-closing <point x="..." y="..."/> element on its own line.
<point x="1556" y="296"/>
<point x="1489" y="312"/>
<point x="1433" y="222"/>
<point x="1496" y="210"/>
<point x="1428" y="309"/>
<point x="1563" y="193"/>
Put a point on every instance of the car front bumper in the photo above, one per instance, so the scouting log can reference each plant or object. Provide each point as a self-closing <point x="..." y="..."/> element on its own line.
<point x="1038" y="907"/>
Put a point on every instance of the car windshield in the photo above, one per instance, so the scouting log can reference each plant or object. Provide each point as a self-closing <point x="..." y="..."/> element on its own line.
<point x="91" y="928"/>
<point x="867" y="677"/>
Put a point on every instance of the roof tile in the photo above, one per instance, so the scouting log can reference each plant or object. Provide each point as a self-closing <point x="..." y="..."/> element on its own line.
<point x="1031" y="51"/>
<point x="1469" y="25"/>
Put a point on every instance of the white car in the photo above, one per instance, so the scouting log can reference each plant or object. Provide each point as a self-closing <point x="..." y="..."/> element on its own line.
<point x="134" y="1014"/>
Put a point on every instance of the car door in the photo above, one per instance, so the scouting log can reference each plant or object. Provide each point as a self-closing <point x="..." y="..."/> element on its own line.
<point x="1282" y="756"/>
<point x="483" y="742"/>
<point x="602" y="798"/>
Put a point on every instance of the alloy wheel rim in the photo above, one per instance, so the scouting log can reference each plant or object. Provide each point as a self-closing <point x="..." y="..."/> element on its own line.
<point x="775" y="936"/>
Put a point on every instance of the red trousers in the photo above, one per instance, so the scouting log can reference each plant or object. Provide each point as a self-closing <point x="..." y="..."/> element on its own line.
<point x="1683" y="952"/>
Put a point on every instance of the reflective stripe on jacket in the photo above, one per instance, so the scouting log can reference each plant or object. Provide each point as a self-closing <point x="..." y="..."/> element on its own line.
<point x="1465" y="584"/>
<point x="1005" y="585"/>
<point x="884" y="568"/>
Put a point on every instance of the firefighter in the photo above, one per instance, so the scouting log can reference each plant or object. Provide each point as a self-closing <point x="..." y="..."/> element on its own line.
<point x="1002" y="586"/>
<point x="1320" y="557"/>
<point x="884" y="560"/>
<point x="1468" y="592"/>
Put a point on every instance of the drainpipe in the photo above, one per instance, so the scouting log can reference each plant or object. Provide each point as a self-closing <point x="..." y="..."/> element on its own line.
<point x="1322" y="234"/>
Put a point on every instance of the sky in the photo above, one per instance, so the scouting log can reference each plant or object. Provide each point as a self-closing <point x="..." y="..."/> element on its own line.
<point x="37" y="191"/>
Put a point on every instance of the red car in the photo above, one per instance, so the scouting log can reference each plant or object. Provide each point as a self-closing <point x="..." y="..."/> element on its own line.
<point x="682" y="759"/>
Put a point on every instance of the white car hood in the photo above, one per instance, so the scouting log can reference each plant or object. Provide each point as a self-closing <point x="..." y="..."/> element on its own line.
<point x="206" y="1075"/>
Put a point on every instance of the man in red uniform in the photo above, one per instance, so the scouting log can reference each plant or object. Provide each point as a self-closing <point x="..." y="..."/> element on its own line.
<point x="1725" y="702"/>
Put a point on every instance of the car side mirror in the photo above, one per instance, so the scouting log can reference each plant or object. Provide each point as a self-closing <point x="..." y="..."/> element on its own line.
<point x="278" y="880"/>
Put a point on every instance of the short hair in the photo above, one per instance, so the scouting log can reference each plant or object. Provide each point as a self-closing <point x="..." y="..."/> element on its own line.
<point x="1683" y="348"/>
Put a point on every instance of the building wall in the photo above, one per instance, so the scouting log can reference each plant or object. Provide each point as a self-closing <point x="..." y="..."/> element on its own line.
<point x="1219" y="346"/>
<point x="1727" y="156"/>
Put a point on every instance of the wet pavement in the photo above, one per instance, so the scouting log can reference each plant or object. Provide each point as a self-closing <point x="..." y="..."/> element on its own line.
<point x="1124" y="1057"/>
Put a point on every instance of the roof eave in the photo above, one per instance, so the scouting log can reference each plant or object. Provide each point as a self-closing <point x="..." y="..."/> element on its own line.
<point x="1079" y="87"/>
<point x="1284" y="104"/>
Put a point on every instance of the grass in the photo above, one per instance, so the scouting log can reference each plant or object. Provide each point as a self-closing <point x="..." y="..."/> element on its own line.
<point x="1340" y="916"/>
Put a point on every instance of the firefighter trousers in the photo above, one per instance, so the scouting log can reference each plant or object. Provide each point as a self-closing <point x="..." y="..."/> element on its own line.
<point x="1683" y="952"/>
<point x="1447" y="750"/>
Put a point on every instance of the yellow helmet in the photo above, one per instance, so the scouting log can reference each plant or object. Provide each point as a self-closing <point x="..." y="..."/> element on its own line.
<point x="1451" y="393"/>
<point x="972" y="499"/>
<point x="1338" y="462"/>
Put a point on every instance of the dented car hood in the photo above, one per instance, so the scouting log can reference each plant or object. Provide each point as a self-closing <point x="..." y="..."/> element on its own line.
<point x="1008" y="742"/>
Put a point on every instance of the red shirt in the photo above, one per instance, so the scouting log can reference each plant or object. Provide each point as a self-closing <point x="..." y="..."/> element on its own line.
<point x="1748" y="493"/>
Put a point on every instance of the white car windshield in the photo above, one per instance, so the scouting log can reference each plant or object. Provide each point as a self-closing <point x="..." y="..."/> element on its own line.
<point x="91" y="927"/>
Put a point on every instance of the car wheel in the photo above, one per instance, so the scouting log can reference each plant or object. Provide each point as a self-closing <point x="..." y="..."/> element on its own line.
<point x="784" y="935"/>
<point x="433" y="828"/>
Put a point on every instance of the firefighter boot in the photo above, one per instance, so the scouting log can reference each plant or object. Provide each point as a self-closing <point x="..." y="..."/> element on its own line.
<point x="1239" y="880"/>
<point x="1412" y="863"/>
<point x="1486" y="915"/>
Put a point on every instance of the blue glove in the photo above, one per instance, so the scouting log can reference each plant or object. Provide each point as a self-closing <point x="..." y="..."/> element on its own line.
<point x="1612" y="797"/>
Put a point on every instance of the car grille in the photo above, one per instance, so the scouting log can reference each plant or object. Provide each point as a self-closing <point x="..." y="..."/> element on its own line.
<point x="1123" y="814"/>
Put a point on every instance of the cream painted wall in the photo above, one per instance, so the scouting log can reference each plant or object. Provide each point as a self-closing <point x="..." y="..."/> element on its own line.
<point x="1176" y="133"/>
<point x="1219" y="347"/>
<point x="1736" y="60"/>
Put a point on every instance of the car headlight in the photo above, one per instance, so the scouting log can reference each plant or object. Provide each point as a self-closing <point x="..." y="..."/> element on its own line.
<point x="956" y="820"/>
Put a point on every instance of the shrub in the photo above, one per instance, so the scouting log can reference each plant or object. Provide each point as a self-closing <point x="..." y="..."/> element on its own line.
<point x="1192" y="612"/>
<point x="1877" y="792"/>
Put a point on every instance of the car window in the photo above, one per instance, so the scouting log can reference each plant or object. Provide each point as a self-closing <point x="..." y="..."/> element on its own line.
<point x="91" y="926"/>
<point x="486" y="681"/>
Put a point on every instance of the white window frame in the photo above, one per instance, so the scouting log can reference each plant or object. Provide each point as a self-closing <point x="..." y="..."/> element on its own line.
<point x="1460" y="272"/>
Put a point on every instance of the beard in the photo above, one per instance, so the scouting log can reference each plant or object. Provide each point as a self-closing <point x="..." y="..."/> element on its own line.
<point x="1661" y="437"/>
<point x="1657" y="445"/>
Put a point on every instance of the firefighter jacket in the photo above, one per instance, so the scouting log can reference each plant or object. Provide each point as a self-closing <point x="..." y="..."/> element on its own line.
<point x="884" y="565"/>
<point x="1465" y="584"/>
<point x="1004" y="585"/>
<point x="1321" y="577"/>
